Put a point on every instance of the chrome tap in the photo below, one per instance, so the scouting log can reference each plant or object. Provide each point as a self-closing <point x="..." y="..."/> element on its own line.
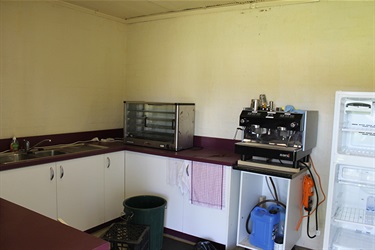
<point x="27" y="144"/>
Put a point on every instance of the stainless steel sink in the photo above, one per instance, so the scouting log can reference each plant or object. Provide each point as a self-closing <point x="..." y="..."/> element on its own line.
<point x="15" y="157"/>
<point x="45" y="153"/>
<point x="48" y="152"/>
<point x="81" y="147"/>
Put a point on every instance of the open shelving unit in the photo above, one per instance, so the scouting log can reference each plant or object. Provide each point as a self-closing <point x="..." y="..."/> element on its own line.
<point x="252" y="186"/>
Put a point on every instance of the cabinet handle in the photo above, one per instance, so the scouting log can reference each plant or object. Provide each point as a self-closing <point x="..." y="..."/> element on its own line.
<point x="61" y="172"/>
<point x="52" y="173"/>
<point x="108" y="162"/>
<point x="187" y="170"/>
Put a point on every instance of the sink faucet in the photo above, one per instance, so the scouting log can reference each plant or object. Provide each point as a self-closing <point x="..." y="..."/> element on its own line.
<point x="27" y="144"/>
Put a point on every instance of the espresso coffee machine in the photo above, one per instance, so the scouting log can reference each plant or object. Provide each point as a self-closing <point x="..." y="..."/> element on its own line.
<point x="277" y="139"/>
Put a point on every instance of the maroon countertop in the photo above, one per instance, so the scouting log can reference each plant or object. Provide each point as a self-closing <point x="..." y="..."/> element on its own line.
<point x="209" y="150"/>
<point x="208" y="155"/>
<point x="21" y="228"/>
<point x="206" y="149"/>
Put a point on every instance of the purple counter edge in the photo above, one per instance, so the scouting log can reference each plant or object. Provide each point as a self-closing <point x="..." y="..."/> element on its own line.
<point x="199" y="141"/>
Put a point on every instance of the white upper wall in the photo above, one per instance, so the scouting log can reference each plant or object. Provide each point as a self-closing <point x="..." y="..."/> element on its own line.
<point x="61" y="69"/>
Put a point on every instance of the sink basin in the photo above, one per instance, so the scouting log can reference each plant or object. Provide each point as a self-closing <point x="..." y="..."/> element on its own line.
<point x="15" y="157"/>
<point x="45" y="153"/>
<point x="22" y="156"/>
<point x="82" y="147"/>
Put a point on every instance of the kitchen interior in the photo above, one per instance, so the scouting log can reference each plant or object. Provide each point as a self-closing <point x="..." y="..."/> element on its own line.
<point x="67" y="67"/>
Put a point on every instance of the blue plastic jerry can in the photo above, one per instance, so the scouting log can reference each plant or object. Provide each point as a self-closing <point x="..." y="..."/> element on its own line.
<point x="264" y="227"/>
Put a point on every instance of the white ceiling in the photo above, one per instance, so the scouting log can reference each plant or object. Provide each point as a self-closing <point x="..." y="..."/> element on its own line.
<point x="129" y="9"/>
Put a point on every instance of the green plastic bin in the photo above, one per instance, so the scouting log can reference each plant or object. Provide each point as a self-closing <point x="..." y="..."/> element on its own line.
<point x="148" y="210"/>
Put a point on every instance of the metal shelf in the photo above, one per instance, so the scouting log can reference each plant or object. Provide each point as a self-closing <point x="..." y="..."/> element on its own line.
<point x="151" y="111"/>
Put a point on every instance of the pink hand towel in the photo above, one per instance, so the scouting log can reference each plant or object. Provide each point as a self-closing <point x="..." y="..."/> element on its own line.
<point x="207" y="185"/>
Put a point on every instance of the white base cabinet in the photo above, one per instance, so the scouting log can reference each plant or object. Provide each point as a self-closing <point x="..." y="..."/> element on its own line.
<point x="218" y="225"/>
<point x="254" y="185"/>
<point x="80" y="192"/>
<point x="114" y="192"/>
<point x="86" y="192"/>
<point x="31" y="187"/>
<point x="149" y="175"/>
<point x="83" y="192"/>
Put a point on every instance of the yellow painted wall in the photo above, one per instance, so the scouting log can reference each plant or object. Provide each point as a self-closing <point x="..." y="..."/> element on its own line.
<point x="65" y="70"/>
<point x="297" y="54"/>
<point x="62" y="70"/>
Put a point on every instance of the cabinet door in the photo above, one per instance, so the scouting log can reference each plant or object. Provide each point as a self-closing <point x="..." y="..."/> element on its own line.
<point x="114" y="184"/>
<point x="209" y="222"/>
<point x="147" y="175"/>
<point x="80" y="192"/>
<point x="31" y="187"/>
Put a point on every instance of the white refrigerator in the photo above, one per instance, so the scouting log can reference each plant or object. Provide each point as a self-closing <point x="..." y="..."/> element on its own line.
<point x="350" y="218"/>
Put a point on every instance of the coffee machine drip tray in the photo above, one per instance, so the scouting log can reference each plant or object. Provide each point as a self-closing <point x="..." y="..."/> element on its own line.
<point x="271" y="146"/>
<point x="269" y="168"/>
<point x="280" y="156"/>
<point x="279" y="161"/>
